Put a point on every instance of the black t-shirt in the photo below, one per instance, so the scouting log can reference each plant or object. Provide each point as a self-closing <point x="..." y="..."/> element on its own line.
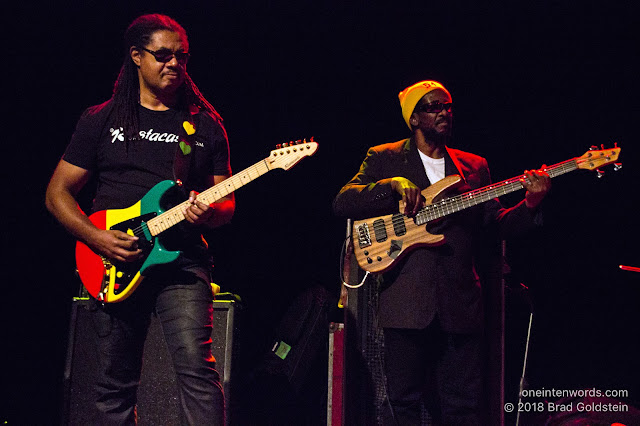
<point x="126" y="171"/>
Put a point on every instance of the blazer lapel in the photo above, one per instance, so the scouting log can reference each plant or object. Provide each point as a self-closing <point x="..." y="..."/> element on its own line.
<point x="453" y="166"/>
<point x="415" y="169"/>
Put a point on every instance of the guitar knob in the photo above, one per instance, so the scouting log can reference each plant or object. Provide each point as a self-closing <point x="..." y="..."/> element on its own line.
<point x="617" y="166"/>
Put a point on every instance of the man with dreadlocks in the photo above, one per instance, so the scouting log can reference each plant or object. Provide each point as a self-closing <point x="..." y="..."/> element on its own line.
<point x="156" y="126"/>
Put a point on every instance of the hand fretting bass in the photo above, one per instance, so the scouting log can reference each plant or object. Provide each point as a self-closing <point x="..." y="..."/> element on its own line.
<point x="115" y="281"/>
<point x="380" y="241"/>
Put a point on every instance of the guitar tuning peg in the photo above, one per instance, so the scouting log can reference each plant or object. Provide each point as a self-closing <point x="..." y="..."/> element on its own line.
<point x="615" y="144"/>
<point x="279" y="146"/>
<point x="298" y="142"/>
<point x="311" y="140"/>
<point x="617" y="166"/>
<point x="593" y="148"/>
<point x="600" y="173"/>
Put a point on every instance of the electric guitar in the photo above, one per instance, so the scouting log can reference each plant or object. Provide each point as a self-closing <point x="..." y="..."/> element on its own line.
<point x="380" y="241"/>
<point x="110" y="281"/>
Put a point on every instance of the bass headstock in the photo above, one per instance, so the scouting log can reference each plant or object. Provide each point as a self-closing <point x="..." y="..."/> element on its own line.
<point x="595" y="158"/>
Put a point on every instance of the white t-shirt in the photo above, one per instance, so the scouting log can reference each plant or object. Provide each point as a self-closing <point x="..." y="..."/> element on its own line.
<point x="433" y="166"/>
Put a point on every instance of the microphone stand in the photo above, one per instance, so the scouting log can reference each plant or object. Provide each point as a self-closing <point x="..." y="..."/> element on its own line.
<point x="526" y="353"/>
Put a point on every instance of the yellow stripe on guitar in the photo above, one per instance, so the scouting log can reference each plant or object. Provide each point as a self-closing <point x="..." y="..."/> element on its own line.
<point x="120" y="215"/>
<point x="113" y="217"/>
<point x="113" y="297"/>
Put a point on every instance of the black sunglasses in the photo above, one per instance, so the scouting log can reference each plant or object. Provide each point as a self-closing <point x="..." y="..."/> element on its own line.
<point x="435" y="107"/>
<point x="165" y="55"/>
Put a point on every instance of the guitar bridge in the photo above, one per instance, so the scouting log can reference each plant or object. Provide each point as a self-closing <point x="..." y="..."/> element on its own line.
<point x="105" y="278"/>
<point x="364" y="236"/>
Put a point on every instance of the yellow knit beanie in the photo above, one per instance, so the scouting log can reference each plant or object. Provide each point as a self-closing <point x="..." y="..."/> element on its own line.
<point x="410" y="96"/>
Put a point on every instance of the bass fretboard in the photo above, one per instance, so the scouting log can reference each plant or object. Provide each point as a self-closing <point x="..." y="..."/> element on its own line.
<point x="460" y="202"/>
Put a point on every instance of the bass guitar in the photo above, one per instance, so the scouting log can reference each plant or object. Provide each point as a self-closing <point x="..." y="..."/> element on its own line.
<point x="381" y="241"/>
<point x="110" y="281"/>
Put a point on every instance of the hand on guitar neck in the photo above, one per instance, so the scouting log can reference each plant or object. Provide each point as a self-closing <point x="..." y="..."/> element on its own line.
<point x="210" y="215"/>
<point x="537" y="183"/>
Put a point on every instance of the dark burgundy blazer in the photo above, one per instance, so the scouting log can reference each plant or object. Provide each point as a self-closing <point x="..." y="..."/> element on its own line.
<point x="444" y="280"/>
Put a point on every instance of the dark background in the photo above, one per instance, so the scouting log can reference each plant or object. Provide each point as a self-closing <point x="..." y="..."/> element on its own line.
<point x="533" y="84"/>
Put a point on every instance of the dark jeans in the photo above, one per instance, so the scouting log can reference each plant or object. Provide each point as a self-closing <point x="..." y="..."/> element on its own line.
<point x="441" y="370"/>
<point x="184" y="304"/>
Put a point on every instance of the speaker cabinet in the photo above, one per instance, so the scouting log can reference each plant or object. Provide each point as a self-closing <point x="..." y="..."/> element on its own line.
<point x="157" y="395"/>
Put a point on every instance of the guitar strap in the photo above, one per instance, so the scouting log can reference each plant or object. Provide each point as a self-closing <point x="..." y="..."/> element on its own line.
<point x="184" y="151"/>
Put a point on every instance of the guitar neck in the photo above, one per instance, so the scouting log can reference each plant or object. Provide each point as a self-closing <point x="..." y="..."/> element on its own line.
<point x="472" y="198"/>
<point x="175" y="215"/>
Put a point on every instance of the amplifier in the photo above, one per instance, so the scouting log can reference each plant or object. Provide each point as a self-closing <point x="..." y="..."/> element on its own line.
<point x="157" y="395"/>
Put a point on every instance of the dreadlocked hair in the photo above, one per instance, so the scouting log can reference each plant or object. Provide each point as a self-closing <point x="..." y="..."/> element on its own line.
<point x="194" y="97"/>
<point x="126" y="90"/>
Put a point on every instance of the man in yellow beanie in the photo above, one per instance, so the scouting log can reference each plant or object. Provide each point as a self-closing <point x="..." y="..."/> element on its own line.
<point x="431" y="299"/>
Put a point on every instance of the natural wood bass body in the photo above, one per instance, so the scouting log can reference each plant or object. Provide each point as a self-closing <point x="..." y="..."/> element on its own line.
<point x="378" y="242"/>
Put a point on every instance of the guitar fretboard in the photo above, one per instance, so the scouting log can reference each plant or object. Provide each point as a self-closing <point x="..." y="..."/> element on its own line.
<point x="175" y="215"/>
<point x="469" y="199"/>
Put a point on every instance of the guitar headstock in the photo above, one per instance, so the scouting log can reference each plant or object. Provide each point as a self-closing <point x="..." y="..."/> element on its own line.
<point x="289" y="154"/>
<point x="595" y="158"/>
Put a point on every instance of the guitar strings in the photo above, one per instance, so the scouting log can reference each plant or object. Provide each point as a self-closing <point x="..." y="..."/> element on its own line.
<point x="176" y="212"/>
<point x="462" y="201"/>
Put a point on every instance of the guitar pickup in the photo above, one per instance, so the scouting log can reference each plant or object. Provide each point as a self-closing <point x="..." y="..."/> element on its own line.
<point x="364" y="236"/>
<point x="380" y="230"/>
<point x="399" y="228"/>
